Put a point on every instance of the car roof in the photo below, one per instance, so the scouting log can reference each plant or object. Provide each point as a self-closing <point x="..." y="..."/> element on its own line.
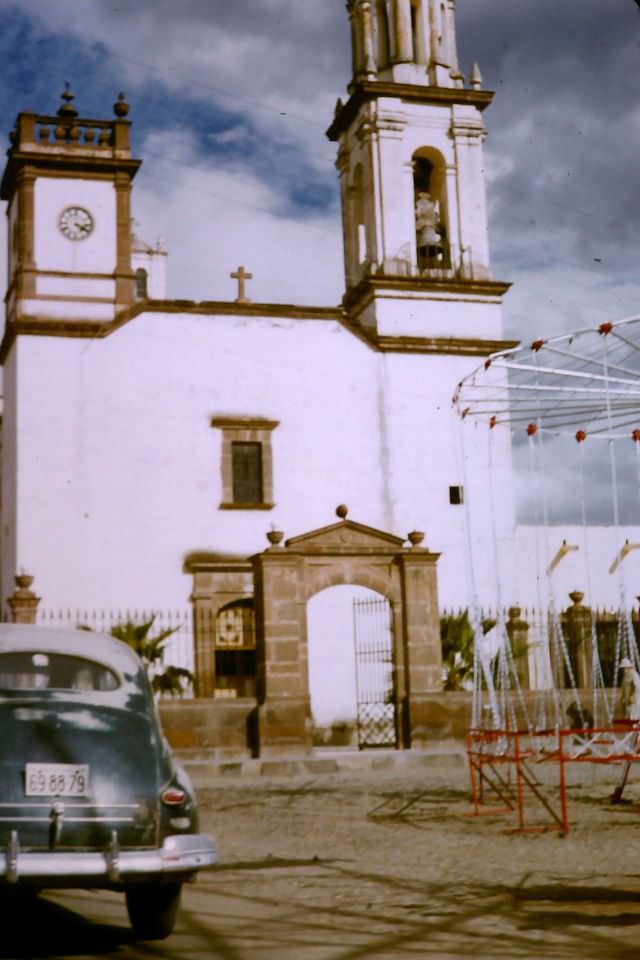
<point x="100" y="647"/>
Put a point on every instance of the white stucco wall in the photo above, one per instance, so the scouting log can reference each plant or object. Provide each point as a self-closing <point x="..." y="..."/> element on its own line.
<point x="52" y="251"/>
<point x="428" y="315"/>
<point x="119" y="471"/>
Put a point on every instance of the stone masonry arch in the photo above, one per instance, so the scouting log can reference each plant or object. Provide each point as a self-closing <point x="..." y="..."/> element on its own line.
<point x="287" y="575"/>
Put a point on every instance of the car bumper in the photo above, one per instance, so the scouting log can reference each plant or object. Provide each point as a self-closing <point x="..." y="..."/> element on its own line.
<point x="179" y="854"/>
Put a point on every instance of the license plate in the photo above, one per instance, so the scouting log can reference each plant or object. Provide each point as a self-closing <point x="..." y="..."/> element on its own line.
<point x="56" y="779"/>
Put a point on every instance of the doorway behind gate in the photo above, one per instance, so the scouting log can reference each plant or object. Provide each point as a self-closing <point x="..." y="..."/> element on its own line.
<point x="351" y="668"/>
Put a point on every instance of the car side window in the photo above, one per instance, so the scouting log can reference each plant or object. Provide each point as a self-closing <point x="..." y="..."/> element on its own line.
<point x="36" y="670"/>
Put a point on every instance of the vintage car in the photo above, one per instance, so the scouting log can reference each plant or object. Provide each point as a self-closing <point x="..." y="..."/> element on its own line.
<point x="90" y="795"/>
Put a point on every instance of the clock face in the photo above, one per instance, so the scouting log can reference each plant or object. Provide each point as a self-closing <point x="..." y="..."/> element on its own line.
<point x="75" y="223"/>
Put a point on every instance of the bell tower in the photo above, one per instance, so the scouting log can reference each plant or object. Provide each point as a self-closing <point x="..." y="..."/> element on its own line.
<point x="410" y="160"/>
<point x="67" y="183"/>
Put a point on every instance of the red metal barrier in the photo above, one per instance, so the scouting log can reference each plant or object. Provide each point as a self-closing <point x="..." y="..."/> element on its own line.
<point x="502" y="765"/>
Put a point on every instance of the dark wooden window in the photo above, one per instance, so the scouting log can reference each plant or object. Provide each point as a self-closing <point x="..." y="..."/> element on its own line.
<point x="246" y="459"/>
<point x="246" y="462"/>
<point x="456" y="496"/>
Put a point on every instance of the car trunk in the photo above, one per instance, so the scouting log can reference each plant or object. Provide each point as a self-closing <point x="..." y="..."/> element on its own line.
<point x="72" y="773"/>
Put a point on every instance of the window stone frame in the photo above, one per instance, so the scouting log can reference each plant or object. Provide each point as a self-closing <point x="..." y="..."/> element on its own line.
<point x="246" y="430"/>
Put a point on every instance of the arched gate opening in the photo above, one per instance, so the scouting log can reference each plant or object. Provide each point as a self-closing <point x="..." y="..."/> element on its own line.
<point x="351" y="662"/>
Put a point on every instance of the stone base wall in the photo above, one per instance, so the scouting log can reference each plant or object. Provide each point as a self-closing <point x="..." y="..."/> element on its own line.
<point x="447" y="716"/>
<point x="219" y="728"/>
<point x="444" y="717"/>
<point x="224" y="729"/>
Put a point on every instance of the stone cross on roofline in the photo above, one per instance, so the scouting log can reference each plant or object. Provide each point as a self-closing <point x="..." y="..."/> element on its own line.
<point x="241" y="275"/>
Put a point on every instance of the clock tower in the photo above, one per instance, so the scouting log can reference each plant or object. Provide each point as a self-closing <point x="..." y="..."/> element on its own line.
<point x="67" y="184"/>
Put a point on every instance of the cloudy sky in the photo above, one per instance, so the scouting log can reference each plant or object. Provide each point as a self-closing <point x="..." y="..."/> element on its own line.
<point x="230" y="101"/>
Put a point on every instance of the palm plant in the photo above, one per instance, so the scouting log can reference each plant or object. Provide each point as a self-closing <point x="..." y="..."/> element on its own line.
<point x="168" y="680"/>
<point x="457" y="637"/>
<point x="456" y="634"/>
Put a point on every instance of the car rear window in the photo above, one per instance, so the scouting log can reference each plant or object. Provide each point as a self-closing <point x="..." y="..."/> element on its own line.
<point x="35" y="670"/>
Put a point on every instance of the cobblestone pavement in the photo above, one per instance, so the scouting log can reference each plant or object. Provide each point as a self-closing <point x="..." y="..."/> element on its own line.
<point x="386" y="865"/>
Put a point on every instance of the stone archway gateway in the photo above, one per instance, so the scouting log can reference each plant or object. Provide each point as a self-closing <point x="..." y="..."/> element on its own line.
<point x="281" y="580"/>
<point x="286" y="576"/>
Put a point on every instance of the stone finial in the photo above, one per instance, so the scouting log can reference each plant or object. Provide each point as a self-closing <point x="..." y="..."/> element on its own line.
<point x="23" y="602"/>
<point x="121" y="107"/>
<point x="476" y="78"/>
<point x="576" y="597"/>
<point x="342" y="510"/>
<point x="415" y="538"/>
<point x="275" y="537"/>
<point x="66" y="109"/>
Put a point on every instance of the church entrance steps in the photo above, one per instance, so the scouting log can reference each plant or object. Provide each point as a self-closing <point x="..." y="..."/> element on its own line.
<point x="205" y="769"/>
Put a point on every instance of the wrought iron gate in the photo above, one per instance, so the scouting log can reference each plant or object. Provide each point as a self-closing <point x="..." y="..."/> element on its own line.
<point x="375" y="674"/>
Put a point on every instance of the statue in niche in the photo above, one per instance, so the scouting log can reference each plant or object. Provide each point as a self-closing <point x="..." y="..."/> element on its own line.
<point x="430" y="232"/>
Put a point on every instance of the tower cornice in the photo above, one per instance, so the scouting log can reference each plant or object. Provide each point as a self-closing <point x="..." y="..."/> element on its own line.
<point x="67" y="146"/>
<point x="40" y="164"/>
<point x="366" y="91"/>
<point x="357" y="298"/>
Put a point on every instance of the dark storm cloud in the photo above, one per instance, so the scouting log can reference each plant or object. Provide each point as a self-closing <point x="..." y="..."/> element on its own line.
<point x="577" y="480"/>
<point x="279" y="45"/>
<point x="564" y="132"/>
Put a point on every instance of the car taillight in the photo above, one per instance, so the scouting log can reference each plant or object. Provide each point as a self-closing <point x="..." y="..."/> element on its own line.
<point x="173" y="796"/>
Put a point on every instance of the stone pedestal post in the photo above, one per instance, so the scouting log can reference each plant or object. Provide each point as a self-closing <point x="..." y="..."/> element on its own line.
<point x="284" y="707"/>
<point x="518" y="633"/>
<point x="576" y="622"/>
<point x="23" y="602"/>
<point x="422" y="645"/>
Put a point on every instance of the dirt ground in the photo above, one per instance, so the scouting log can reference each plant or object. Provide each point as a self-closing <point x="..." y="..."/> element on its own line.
<point x="383" y="864"/>
<point x="390" y="865"/>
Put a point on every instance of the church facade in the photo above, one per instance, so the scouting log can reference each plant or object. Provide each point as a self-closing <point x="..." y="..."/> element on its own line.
<point x="160" y="452"/>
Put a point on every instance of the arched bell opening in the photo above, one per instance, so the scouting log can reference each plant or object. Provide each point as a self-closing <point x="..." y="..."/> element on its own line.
<point x="432" y="235"/>
<point x="141" y="277"/>
<point x="419" y="33"/>
<point x="382" y="36"/>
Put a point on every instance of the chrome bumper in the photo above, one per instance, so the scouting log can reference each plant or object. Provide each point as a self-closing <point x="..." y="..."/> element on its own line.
<point x="184" y="853"/>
